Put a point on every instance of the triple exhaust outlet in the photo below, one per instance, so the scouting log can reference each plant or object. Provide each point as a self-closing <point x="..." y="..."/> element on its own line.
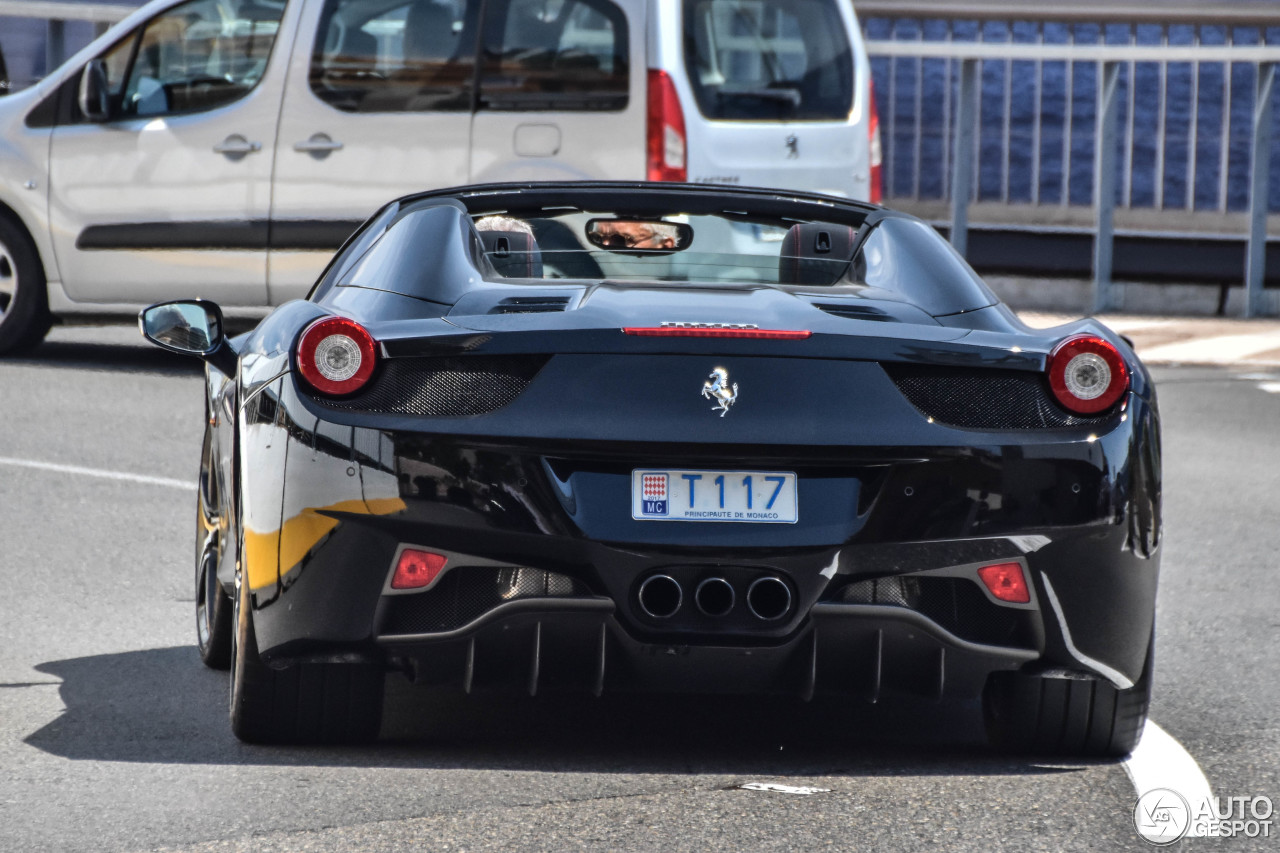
<point x="768" y="598"/>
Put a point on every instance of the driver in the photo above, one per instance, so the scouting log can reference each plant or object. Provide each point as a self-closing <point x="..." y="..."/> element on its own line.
<point x="637" y="234"/>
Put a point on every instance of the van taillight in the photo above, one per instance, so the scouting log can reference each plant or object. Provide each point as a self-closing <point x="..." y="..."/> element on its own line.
<point x="666" y="139"/>
<point x="874" y="152"/>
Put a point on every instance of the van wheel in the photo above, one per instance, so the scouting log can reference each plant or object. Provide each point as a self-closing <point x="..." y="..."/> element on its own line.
<point x="24" y="302"/>
<point x="1065" y="714"/>
<point x="300" y="703"/>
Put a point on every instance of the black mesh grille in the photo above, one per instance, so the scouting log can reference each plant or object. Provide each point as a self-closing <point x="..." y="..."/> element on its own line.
<point x="445" y="387"/>
<point x="468" y="592"/>
<point x="984" y="399"/>
<point x="954" y="603"/>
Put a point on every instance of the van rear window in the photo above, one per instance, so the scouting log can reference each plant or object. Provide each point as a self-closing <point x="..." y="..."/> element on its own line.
<point x="769" y="59"/>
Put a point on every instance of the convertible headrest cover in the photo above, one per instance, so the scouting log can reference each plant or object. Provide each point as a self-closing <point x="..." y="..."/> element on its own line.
<point x="815" y="253"/>
<point x="515" y="254"/>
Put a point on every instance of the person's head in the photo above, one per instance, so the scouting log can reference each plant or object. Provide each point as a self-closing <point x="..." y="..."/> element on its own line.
<point x="503" y="223"/>
<point x="637" y="234"/>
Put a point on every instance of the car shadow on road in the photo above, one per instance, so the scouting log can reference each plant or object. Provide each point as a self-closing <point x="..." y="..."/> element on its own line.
<point x="163" y="706"/>
<point x="113" y="357"/>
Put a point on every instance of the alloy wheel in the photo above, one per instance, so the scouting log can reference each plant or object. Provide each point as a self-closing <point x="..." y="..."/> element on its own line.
<point x="8" y="279"/>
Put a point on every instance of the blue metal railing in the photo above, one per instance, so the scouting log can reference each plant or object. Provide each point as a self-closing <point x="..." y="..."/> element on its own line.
<point x="60" y="26"/>
<point x="1085" y="117"/>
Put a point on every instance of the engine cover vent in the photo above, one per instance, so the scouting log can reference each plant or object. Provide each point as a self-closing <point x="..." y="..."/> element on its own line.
<point x="530" y="305"/>
<point x="857" y="312"/>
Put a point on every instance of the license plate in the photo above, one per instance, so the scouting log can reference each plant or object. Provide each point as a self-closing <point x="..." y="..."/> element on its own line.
<point x="740" y="496"/>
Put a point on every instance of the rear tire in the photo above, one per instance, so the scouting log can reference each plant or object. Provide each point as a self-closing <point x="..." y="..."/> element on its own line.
<point x="24" y="299"/>
<point x="1065" y="715"/>
<point x="321" y="703"/>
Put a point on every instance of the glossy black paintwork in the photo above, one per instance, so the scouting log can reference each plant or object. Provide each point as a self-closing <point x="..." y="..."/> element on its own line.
<point x="545" y="481"/>
<point x="466" y="495"/>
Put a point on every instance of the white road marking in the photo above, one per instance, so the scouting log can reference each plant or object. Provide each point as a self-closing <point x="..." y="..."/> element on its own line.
<point x="1159" y="761"/>
<point x="1270" y="387"/>
<point x="144" y="479"/>
<point x="1223" y="349"/>
<point x="775" y="788"/>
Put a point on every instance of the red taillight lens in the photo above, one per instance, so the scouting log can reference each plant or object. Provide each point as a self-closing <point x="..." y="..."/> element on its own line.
<point x="417" y="569"/>
<point x="336" y="356"/>
<point x="685" y="332"/>
<point x="666" y="137"/>
<point x="1087" y="374"/>
<point x="1006" y="582"/>
<point x="875" y="154"/>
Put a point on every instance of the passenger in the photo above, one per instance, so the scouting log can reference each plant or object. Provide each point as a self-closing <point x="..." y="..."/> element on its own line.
<point x="503" y="223"/>
<point x="511" y="246"/>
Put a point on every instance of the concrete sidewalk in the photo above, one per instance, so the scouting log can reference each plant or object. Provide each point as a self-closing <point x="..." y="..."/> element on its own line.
<point x="1168" y="323"/>
<point x="1187" y="340"/>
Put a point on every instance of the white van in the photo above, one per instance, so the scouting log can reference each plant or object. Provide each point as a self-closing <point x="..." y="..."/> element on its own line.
<point x="225" y="148"/>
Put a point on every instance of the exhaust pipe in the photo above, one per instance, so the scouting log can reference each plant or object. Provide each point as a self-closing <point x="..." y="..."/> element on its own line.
<point x="769" y="598"/>
<point x="714" y="597"/>
<point x="660" y="596"/>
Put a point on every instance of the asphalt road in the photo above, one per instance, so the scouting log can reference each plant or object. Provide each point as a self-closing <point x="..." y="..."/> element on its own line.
<point x="114" y="737"/>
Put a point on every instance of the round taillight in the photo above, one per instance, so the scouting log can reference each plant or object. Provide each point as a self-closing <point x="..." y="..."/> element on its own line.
<point x="336" y="356"/>
<point x="1087" y="374"/>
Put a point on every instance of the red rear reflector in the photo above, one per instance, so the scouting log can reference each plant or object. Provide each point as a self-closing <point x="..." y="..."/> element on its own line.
<point x="417" y="569"/>
<point x="681" y="332"/>
<point x="666" y="137"/>
<point x="1006" y="582"/>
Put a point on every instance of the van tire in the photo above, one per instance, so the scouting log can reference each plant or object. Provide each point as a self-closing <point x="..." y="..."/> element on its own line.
<point x="24" y="299"/>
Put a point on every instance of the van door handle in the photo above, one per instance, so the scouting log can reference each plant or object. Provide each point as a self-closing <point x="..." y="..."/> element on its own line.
<point x="319" y="143"/>
<point x="236" y="145"/>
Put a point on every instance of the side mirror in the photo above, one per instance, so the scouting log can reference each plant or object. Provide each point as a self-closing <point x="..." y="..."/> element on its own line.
<point x="190" y="327"/>
<point x="95" y="101"/>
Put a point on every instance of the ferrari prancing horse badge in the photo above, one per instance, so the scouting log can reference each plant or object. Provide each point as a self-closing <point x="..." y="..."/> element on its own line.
<point x="717" y="388"/>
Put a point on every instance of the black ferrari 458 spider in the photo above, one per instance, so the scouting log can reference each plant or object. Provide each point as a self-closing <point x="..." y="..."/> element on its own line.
<point x="671" y="438"/>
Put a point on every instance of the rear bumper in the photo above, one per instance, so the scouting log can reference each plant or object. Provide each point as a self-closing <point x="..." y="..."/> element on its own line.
<point x="1081" y="515"/>
<point x="863" y="650"/>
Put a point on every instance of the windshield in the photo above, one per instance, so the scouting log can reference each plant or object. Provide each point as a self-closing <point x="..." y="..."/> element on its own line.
<point x="768" y="59"/>
<point x="439" y="248"/>
<point x="719" y="250"/>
